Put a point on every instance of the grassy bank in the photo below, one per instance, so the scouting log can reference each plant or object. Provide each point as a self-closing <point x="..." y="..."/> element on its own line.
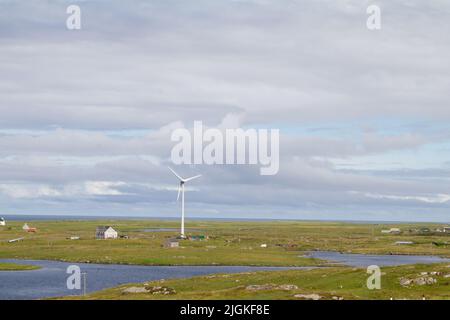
<point x="230" y="243"/>
<point x="16" y="267"/>
<point x="325" y="283"/>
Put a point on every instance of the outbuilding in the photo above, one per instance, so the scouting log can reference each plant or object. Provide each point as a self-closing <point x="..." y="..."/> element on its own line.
<point x="28" y="229"/>
<point x="392" y="231"/>
<point x="404" y="243"/>
<point x="172" y="243"/>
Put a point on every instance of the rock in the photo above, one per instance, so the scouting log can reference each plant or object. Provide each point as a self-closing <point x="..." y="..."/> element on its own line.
<point x="421" y="281"/>
<point x="312" y="296"/>
<point x="337" y="298"/>
<point x="287" y="287"/>
<point x="405" y="282"/>
<point x="258" y="287"/>
<point x="135" y="290"/>
<point x="447" y="276"/>
<point x="424" y="273"/>
<point x="160" y="290"/>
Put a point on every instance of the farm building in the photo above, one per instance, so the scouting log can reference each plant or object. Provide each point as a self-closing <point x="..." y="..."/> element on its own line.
<point x="16" y="240"/>
<point x="28" y="229"/>
<point x="403" y="242"/>
<point x="105" y="232"/>
<point x="172" y="243"/>
<point x="2" y="221"/>
<point x="392" y="231"/>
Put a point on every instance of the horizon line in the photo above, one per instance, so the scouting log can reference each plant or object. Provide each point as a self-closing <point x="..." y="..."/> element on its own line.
<point x="215" y="218"/>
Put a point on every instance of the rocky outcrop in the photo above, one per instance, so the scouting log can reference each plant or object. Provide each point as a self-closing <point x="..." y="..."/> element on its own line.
<point x="160" y="290"/>
<point x="149" y="290"/>
<point x="135" y="290"/>
<point x="420" y="281"/>
<point x="259" y="287"/>
<point x="311" y="296"/>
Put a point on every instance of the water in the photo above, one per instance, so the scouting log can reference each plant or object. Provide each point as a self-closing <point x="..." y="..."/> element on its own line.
<point x="365" y="260"/>
<point x="50" y="280"/>
<point x="68" y="217"/>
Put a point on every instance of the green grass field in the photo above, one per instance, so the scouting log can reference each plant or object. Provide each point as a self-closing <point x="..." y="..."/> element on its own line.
<point x="16" y="267"/>
<point x="230" y="243"/>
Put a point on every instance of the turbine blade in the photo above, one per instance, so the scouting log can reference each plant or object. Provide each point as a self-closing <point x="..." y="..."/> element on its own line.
<point x="179" y="190"/>
<point x="192" y="178"/>
<point x="176" y="174"/>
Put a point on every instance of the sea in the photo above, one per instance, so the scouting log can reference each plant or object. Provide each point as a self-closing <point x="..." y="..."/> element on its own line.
<point x="37" y="217"/>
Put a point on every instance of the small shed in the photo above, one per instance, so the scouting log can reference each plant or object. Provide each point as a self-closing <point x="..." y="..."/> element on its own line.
<point x="404" y="243"/>
<point x="28" y="229"/>
<point x="392" y="231"/>
<point x="105" y="232"/>
<point x="172" y="243"/>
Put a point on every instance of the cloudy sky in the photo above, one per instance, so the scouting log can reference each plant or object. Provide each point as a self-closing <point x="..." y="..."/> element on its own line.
<point x="86" y="115"/>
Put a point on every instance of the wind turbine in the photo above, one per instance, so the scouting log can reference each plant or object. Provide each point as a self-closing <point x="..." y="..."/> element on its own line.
<point x="181" y="190"/>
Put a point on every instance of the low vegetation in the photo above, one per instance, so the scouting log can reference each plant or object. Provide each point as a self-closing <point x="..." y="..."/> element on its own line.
<point x="16" y="267"/>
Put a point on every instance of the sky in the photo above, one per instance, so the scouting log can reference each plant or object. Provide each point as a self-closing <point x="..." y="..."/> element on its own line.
<point x="86" y="115"/>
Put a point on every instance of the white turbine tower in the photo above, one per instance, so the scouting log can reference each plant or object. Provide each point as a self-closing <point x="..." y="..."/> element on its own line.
<point x="181" y="189"/>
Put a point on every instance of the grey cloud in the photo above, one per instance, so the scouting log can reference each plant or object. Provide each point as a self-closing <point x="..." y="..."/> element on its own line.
<point x="146" y="64"/>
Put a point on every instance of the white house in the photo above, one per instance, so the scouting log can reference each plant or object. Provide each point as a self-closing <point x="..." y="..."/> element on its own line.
<point x="2" y="221"/>
<point x="105" y="232"/>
